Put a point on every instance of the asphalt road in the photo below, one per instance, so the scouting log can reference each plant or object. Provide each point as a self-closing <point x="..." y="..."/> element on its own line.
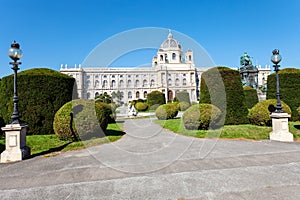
<point x="152" y="163"/>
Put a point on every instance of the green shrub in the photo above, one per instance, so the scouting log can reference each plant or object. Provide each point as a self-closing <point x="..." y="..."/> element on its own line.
<point x="81" y="119"/>
<point x="298" y="111"/>
<point x="155" y="99"/>
<point x="183" y="106"/>
<point x="140" y="106"/>
<point x="222" y="87"/>
<point x="289" y="81"/>
<point x="260" y="114"/>
<point x="182" y="96"/>
<point x="167" y="111"/>
<point x="41" y="93"/>
<point x="251" y="97"/>
<point x="201" y="116"/>
<point x="2" y="124"/>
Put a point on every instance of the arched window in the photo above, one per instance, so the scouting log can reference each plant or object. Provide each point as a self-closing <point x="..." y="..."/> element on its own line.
<point x="129" y="83"/>
<point x="177" y="82"/>
<point x="96" y="83"/>
<point x="113" y="76"/>
<point x="184" y="81"/>
<point x="173" y="56"/>
<point x="145" y="94"/>
<point x="96" y="77"/>
<point x="113" y="83"/>
<point x="121" y="83"/>
<point x="88" y="82"/>
<point x="137" y="95"/>
<point x="129" y="95"/>
<point x="104" y="76"/>
<point x="96" y="94"/>
<point x="137" y="83"/>
<point x="122" y="95"/>
<point x="145" y="83"/>
<point x="152" y="83"/>
<point x="161" y="57"/>
<point x="104" y="84"/>
<point x="190" y="58"/>
<point x="169" y="82"/>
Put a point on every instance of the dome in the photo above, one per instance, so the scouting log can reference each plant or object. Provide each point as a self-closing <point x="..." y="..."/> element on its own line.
<point x="170" y="43"/>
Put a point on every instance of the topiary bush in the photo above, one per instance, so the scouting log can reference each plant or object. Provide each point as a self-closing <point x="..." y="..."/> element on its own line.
<point x="251" y="97"/>
<point x="41" y="93"/>
<point x="289" y="81"/>
<point x="298" y="111"/>
<point x="201" y="116"/>
<point x="182" y="96"/>
<point x="81" y="119"/>
<point x="155" y="99"/>
<point x="260" y="114"/>
<point x="166" y="111"/>
<point x="2" y="124"/>
<point x="222" y="87"/>
<point x="140" y="106"/>
<point x="183" y="106"/>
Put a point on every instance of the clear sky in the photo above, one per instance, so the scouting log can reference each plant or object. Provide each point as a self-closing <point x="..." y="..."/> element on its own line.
<point x="54" y="32"/>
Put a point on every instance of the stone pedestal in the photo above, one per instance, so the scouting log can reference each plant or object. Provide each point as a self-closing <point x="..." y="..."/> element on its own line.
<point x="15" y="143"/>
<point x="280" y="126"/>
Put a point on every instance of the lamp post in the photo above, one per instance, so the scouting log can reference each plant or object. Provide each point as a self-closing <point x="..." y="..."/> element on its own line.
<point x="280" y="128"/>
<point x="15" y="131"/>
<point x="15" y="53"/>
<point x="276" y="58"/>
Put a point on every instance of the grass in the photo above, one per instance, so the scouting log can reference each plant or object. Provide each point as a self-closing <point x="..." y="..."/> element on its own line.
<point x="50" y="144"/>
<point x="243" y="131"/>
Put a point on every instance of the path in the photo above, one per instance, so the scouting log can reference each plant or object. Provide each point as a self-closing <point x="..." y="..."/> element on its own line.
<point x="152" y="163"/>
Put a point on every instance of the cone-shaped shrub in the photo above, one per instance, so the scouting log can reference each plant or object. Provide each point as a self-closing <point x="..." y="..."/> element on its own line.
<point x="289" y="82"/>
<point x="251" y="97"/>
<point x="155" y="99"/>
<point x="41" y="93"/>
<point x="223" y="88"/>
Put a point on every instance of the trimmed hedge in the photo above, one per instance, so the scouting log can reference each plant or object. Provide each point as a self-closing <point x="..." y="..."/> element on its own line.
<point x="289" y="82"/>
<point x="155" y="99"/>
<point x="81" y="119"/>
<point x="251" y="97"/>
<point x="2" y="124"/>
<point x="140" y="106"/>
<point x="41" y="93"/>
<point x="201" y="116"/>
<point x="182" y="96"/>
<point x="298" y="111"/>
<point x="167" y="111"/>
<point x="222" y="87"/>
<point x="183" y="106"/>
<point x="260" y="114"/>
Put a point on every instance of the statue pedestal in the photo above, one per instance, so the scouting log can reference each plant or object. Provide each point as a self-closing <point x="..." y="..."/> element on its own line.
<point x="15" y="143"/>
<point x="280" y="127"/>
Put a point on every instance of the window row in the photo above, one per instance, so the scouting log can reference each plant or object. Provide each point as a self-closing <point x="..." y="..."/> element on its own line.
<point x="113" y="84"/>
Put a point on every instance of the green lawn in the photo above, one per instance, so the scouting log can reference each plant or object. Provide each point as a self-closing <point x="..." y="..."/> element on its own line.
<point x="244" y="131"/>
<point x="50" y="144"/>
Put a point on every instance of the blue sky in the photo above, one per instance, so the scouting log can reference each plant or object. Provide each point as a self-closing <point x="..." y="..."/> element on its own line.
<point x="65" y="32"/>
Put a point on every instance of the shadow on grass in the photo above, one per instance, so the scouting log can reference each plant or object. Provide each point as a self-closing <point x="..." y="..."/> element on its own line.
<point x="52" y="150"/>
<point x="297" y="127"/>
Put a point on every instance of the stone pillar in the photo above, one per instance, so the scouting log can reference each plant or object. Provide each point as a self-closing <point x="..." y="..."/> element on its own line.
<point x="15" y="143"/>
<point x="280" y="128"/>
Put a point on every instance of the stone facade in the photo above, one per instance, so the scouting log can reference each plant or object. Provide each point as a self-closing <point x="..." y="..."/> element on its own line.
<point x="171" y="71"/>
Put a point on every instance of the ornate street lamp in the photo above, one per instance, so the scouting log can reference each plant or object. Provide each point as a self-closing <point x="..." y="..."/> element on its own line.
<point x="276" y="58"/>
<point x="15" y="53"/>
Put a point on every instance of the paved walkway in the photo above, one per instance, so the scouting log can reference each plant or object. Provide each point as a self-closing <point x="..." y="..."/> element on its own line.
<point x="152" y="163"/>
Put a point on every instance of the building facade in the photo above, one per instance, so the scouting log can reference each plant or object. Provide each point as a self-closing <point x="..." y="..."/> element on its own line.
<point x="172" y="71"/>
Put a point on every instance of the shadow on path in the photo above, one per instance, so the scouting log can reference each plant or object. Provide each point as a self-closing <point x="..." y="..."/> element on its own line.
<point x="52" y="150"/>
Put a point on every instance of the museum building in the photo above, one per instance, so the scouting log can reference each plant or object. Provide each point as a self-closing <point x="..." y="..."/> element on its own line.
<point x="171" y="71"/>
